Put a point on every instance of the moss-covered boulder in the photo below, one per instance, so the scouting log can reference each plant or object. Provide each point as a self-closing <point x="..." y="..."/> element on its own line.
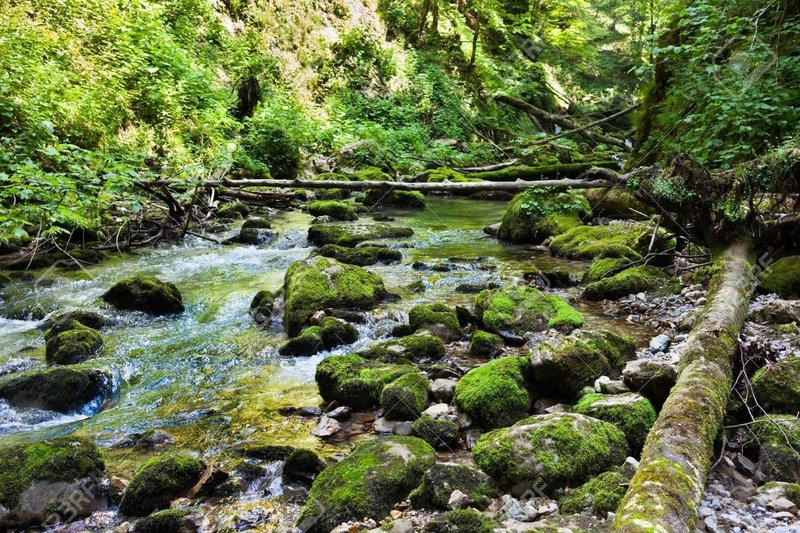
<point x="554" y="450"/>
<point x="74" y="345"/>
<point x="782" y="277"/>
<point x="36" y="479"/>
<point x="441" y="433"/>
<point x="461" y="521"/>
<point x="233" y="210"/>
<point x="520" y="309"/>
<point x="495" y="394"/>
<point x="257" y="223"/>
<point x="66" y="389"/>
<point x="166" y="521"/>
<point x="531" y="220"/>
<point x="147" y="294"/>
<point x="256" y="236"/>
<point x="319" y="283"/>
<point x="628" y="241"/>
<point x="631" y="412"/>
<point x="567" y="364"/>
<point x="406" y="397"/>
<point x="158" y="481"/>
<point x="443" y="478"/>
<point x="302" y="465"/>
<point x="356" y="382"/>
<point x="422" y="346"/>
<point x="603" y="267"/>
<point x="64" y="321"/>
<point x="617" y="203"/>
<point x="439" y="319"/>
<point x="336" y="210"/>
<point x="395" y="197"/>
<point x="366" y="484"/>
<point x="777" y="387"/>
<point x="600" y="495"/>
<point x="775" y="440"/>
<point x="360" y="255"/>
<point x="442" y="174"/>
<point x="485" y="344"/>
<point x="309" y="342"/>
<point x="643" y="278"/>
<point x="263" y="306"/>
<point x="351" y="235"/>
<point x="337" y="332"/>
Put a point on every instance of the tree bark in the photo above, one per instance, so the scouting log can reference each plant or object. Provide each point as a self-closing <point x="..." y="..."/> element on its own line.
<point x="665" y="493"/>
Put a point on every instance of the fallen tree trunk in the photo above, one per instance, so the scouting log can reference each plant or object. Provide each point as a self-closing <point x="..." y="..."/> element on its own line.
<point x="665" y="492"/>
<point x="579" y="129"/>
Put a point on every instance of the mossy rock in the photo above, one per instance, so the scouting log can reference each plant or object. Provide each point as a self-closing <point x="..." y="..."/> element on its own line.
<point x="166" y="521"/>
<point x="371" y="174"/>
<point x="776" y="441"/>
<point x="633" y="280"/>
<point x="395" y="197"/>
<point x="485" y="344"/>
<point x="336" y="210"/>
<point x="567" y="364"/>
<point x="309" y="342"/>
<point x="367" y="483"/>
<point x="360" y="255"/>
<point x="440" y="433"/>
<point x="73" y="346"/>
<point x="554" y="450"/>
<point x="616" y="203"/>
<point x="461" y="521"/>
<point x="256" y="236"/>
<point x="302" y="465"/>
<point x="777" y="387"/>
<point x="443" y="478"/>
<point x="233" y="210"/>
<point x="626" y="241"/>
<point x="495" y="394"/>
<point x="147" y="294"/>
<point x="354" y="381"/>
<point x="65" y="389"/>
<point x="406" y="397"/>
<point x="600" y="495"/>
<point x="602" y="267"/>
<point x="257" y="223"/>
<point x="631" y="412"/>
<point x="34" y="475"/>
<point x="351" y="235"/>
<point x="337" y="332"/>
<point x="443" y="174"/>
<point x="782" y="277"/>
<point x="158" y="481"/>
<point x="263" y="306"/>
<point x="522" y="226"/>
<point x="319" y="283"/>
<point x="65" y="321"/>
<point x="439" y="319"/>
<point x="520" y="309"/>
<point x="420" y="346"/>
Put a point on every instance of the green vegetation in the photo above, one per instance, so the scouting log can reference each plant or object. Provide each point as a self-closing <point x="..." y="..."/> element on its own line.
<point x="75" y="345"/>
<point x="484" y="344"/>
<point x="520" y="309"/>
<point x="777" y="387"/>
<point x="439" y="319"/>
<point x="406" y="397"/>
<point x="536" y="214"/>
<point x="600" y="495"/>
<point x="355" y="381"/>
<point x="630" y="412"/>
<point x="361" y="256"/>
<point x="147" y="294"/>
<point x="333" y="209"/>
<point x="494" y="395"/>
<point x="782" y="277"/>
<point x="443" y="478"/>
<point x="630" y="281"/>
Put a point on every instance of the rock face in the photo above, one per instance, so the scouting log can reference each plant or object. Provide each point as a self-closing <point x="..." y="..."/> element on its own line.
<point x="564" y="366"/>
<point x="782" y="277"/>
<point x="356" y="382"/>
<point x="377" y="474"/>
<point x="495" y="394"/>
<point x="778" y="387"/>
<point x="523" y="225"/>
<point x="33" y="476"/>
<point x="62" y="389"/>
<point x="147" y="294"/>
<point x="775" y="439"/>
<point x="439" y="319"/>
<point x="351" y="235"/>
<point x="74" y="345"/>
<point x="319" y="283"/>
<point x="158" y="481"/>
<point x="632" y="413"/>
<point x="443" y="478"/>
<point x="360" y="255"/>
<point x="517" y="310"/>
<point x="551" y="450"/>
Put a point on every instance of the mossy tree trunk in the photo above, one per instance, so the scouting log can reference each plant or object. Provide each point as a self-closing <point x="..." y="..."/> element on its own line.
<point x="666" y="491"/>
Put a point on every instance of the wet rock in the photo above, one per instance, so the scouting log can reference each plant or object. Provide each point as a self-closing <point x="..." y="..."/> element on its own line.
<point x="302" y="465"/>
<point x="777" y="386"/>
<point x="233" y="210"/>
<point x="158" y="481"/>
<point x="475" y="288"/>
<point x="351" y="235"/>
<point x="63" y="321"/>
<point x="172" y="520"/>
<point x="147" y="294"/>
<point x="653" y="379"/>
<point x="443" y="479"/>
<point x="147" y="441"/>
<point x="443" y="389"/>
<point x="441" y="433"/>
<point x="116" y="487"/>
<point x="776" y="439"/>
<point x="62" y="389"/>
<point x="74" y="345"/>
<point x="340" y="211"/>
<point x="406" y="397"/>
<point x="263" y="306"/>
<point x="495" y="394"/>
<point x="638" y="279"/>
<point x="558" y="213"/>
<point x="250" y="519"/>
<point x="213" y="476"/>
<point x="520" y="309"/>
<point x="606" y="385"/>
<point x="420" y="347"/>
<point x="340" y="413"/>
<point x="486" y="345"/>
<point x="439" y="319"/>
<point x="659" y="343"/>
<point x="492" y="229"/>
<point x="632" y="413"/>
<point x="782" y="277"/>
<point x="354" y="381"/>
<point x="256" y="236"/>
<point x="361" y="255"/>
<point x="326" y="427"/>
<point x="307" y="343"/>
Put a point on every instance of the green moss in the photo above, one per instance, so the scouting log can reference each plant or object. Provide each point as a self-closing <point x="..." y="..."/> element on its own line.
<point x="777" y="387"/>
<point x="337" y="332"/>
<point x="320" y="283"/>
<point x="66" y="321"/>
<point x="484" y="344"/>
<point x="776" y="439"/>
<point x="461" y="521"/>
<point x="351" y="235"/>
<point x="566" y="317"/>
<point x="73" y="346"/>
<point x="782" y="277"/>
<point x="615" y="240"/>
<point x="630" y="281"/>
<point x="336" y="210"/>
<point x="147" y="294"/>
<point x="406" y="397"/>
<point x="158" y="481"/>
<point x="233" y="210"/>
<point x="523" y="225"/>
<point x="440" y="175"/>
<point x="443" y="478"/>
<point x="263" y="305"/>
<point x="440" y="433"/>
<point x="600" y="495"/>
<point x="166" y="521"/>
<point x="418" y="347"/>
<point x="64" y="389"/>
<point x="494" y="395"/>
<point x="256" y="223"/>
<point x="355" y="381"/>
<point x="371" y="174"/>
<point x="439" y="319"/>
<point x="790" y="490"/>
<point x="66" y="459"/>
<point x="521" y="309"/>
<point x="361" y="255"/>
<point x="395" y="197"/>
<point x="367" y="483"/>
<point x="602" y="266"/>
<point x="309" y="342"/>
<point x="630" y="412"/>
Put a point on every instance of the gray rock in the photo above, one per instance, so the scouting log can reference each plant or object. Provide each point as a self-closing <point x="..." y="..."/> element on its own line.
<point x="660" y="343"/>
<point x="437" y="410"/>
<point x="327" y="426"/>
<point x="442" y="390"/>
<point x="777" y="312"/>
<point x="340" y="413"/>
<point x="403" y="525"/>
<point x="653" y="379"/>
<point x="458" y="500"/>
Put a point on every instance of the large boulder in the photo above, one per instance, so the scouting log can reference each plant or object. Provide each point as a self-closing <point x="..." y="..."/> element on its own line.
<point x="395" y="197"/>
<point x="351" y="235"/>
<point x="158" y="481"/>
<point x="309" y="342"/>
<point x="147" y="294"/>
<point x="616" y="203"/>
<point x="552" y="451"/>
<point x="356" y="382"/>
<point x="653" y="379"/>
<point x="517" y="310"/>
<point x="442" y="479"/>
<point x="643" y="278"/>
<point x="600" y="495"/>
<point x="627" y="241"/>
<point x="567" y="364"/>
<point x="367" y="483"/>
<point x="406" y="397"/>
<point x="63" y="321"/>
<point x="495" y="394"/>
<point x="437" y="318"/>
<point x="75" y="345"/>
<point x="422" y="346"/>
<point x="485" y="344"/>
<point x="66" y="389"/>
<point x="775" y="440"/>
<point x="360" y="255"/>
<point x="341" y="211"/>
<point x="319" y="283"/>
<point x="782" y="277"/>
<point x="777" y="387"/>
<point x="631" y="412"/>
<point x="530" y="218"/>
<point x="39" y="481"/>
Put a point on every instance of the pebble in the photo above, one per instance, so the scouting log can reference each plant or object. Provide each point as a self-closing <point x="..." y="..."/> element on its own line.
<point x="327" y="426"/>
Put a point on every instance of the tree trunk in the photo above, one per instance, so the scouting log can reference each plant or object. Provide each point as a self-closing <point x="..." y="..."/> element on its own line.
<point x="665" y="493"/>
